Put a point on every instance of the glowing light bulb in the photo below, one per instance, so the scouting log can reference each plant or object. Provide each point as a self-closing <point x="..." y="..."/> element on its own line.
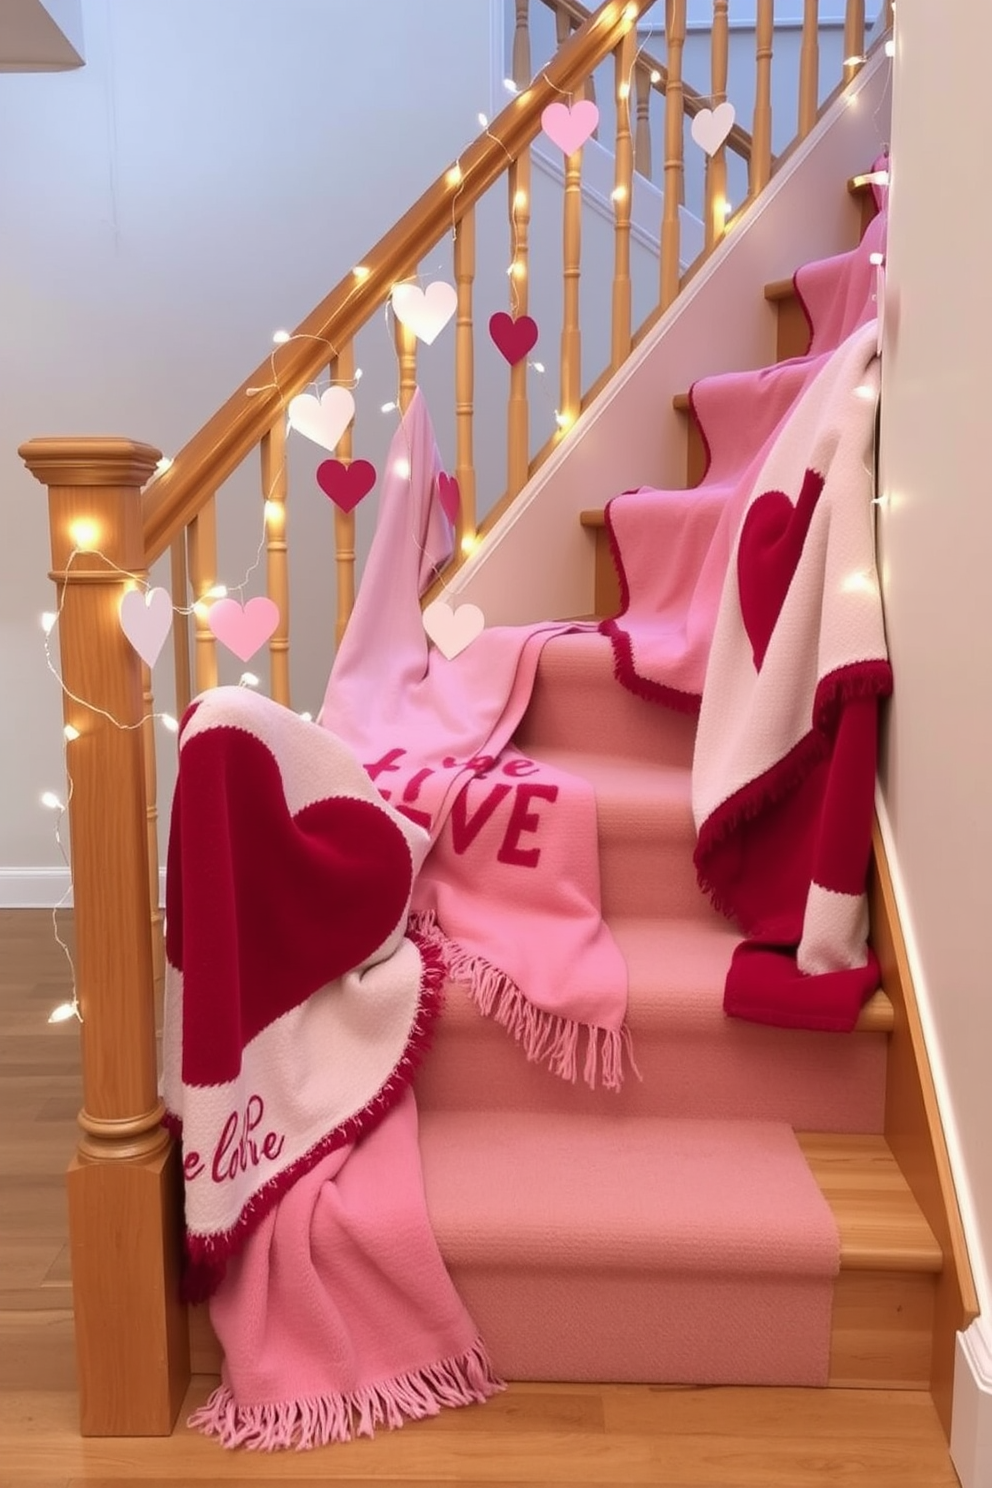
<point x="517" y="270"/>
<point x="84" y="534"/>
<point x="387" y="407"/>
<point x="469" y="543"/>
<point x="630" y="14"/>
<point x="538" y="366"/>
<point x="361" y="272"/>
<point x="562" y="419"/>
<point x="307" y="717"/>
<point x="201" y="610"/>
<point x="727" y="210"/>
<point x="890" y="47"/>
<point x="854" y="61"/>
<point x="510" y="85"/>
<point x="655" y="75"/>
<point x="623" y="91"/>
<point x="248" y="679"/>
<point x="216" y="591"/>
<point x="274" y="513"/>
<point x="163" y="465"/>
<point x="62" y="1013"/>
<point x="859" y="583"/>
<point x="281" y="337"/>
<point x="454" y="176"/>
<point x="358" y="374"/>
<point x="70" y="733"/>
<point x="48" y="620"/>
<point x="519" y="201"/>
<point x="483" y="120"/>
<point x="877" y="259"/>
<point x="401" y="468"/>
<point x="170" y="723"/>
<point x="619" y="193"/>
<point x="51" y="800"/>
<point x="864" y="392"/>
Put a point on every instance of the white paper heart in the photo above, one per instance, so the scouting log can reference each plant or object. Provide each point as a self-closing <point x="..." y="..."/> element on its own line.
<point x="145" y="620"/>
<point x="453" y="630"/>
<point x="425" y="311"/>
<point x="710" y="127"/>
<point x="322" y="419"/>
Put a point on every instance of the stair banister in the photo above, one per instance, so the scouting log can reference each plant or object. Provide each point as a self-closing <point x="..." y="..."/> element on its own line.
<point x="215" y="452"/>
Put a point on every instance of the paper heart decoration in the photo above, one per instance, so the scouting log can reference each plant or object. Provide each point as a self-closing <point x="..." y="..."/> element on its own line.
<point x="145" y="620"/>
<point x="569" y="128"/>
<point x="322" y="419"/>
<point x="425" y="311"/>
<point x="514" y="338"/>
<point x="768" y="554"/>
<point x="346" y="484"/>
<point x="450" y="497"/>
<point x="244" y="629"/>
<point x="453" y="630"/>
<point x="710" y="127"/>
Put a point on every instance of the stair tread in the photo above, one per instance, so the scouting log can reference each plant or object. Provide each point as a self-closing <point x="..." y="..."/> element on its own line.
<point x="537" y="1185"/>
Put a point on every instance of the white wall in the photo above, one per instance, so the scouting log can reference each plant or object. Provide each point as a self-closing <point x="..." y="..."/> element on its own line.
<point x="935" y="551"/>
<point x="207" y="176"/>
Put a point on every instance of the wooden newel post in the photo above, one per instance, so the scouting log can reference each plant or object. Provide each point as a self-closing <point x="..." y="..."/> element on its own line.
<point x="124" y="1181"/>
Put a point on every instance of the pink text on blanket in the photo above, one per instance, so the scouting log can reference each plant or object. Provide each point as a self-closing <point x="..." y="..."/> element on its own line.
<point x="237" y="1150"/>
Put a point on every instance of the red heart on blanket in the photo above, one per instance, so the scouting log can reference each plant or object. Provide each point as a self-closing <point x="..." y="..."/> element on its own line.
<point x="346" y="484"/>
<point x="450" y="497"/>
<point x="514" y="338"/>
<point x="768" y="554"/>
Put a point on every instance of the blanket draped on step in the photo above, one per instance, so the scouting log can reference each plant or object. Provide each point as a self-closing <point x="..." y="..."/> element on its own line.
<point x="509" y="892"/>
<point x="296" y="1012"/>
<point x="753" y="600"/>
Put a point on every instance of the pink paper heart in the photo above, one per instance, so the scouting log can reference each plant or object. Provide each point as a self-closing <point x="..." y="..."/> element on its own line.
<point x="514" y="338"/>
<point x="244" y="629"/>
<point x="450" y="497"/>
<point x="569" y="128"/>
<point x="768" y="554"/>
<point x="346" y="484"/>
<point x="145" y="620"/>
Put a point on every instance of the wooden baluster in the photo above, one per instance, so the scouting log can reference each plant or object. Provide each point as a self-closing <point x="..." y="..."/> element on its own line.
<point x="670" y="224"/>
<point x="518" y="412"/>
<point x="343" y="371"/>
<point x="571" y="334"/>
<point x="157" y="919"/>
<point x="124" y="1184"/>
<point x="465" y="377"/>
<point x="201" y="545"/>
<point x="622" y="190"/>
<point x="275" y="481"/>
<point x="761" y="151"/>
<point x="642" y="129"/>
<point x="563" y="26"/>
<point x="890" y="14"/>
<point x="521" y="73"/>
<point x="854" y="38"/>
<point x="809" y="68"/>
<point x="716" y="165"/>
<point x="406" y="356"/>
<point x="180" y="623"/>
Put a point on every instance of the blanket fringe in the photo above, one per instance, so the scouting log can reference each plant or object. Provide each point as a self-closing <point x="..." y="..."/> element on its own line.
<point x="319" y="1420"/>
<point x="546" y="1038"/>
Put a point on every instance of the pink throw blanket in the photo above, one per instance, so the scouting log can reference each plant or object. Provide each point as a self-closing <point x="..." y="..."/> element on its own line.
<point x="296" y="1012"/>
<point x="509" y="892"/>
<point x="784" y="821"/>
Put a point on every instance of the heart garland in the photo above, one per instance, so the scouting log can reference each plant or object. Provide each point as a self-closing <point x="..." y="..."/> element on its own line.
<point x="322" y="419"/>
<point x="449" y="496"/>
<point x="711" y="127"/>
<point x="426" y="312"/>
<point x="346" y="485"/>
<point x="513" y="337"/>
<point x="244" y="628"/>
<point x="570" y="127"/>
<point x="146" y="619"/>
<point x="453" y="630"/>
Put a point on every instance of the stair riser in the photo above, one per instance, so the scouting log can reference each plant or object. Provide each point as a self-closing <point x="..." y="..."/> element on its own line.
<point x="834" y="1082"/>
<point x="646" y="865"/>
<point x="617" y="722"/>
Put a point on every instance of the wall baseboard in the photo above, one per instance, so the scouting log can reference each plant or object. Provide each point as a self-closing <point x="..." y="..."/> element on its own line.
<point x="971" y="1422"/>
<point x="44" y="888"/>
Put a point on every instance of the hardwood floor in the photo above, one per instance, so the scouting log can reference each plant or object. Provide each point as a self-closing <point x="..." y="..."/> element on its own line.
<point x="532" y="1435"/>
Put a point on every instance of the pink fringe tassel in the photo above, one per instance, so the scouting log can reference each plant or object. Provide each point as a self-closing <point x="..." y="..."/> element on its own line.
<point x="317" y="1421"/>
<point x="546" y="1038"/>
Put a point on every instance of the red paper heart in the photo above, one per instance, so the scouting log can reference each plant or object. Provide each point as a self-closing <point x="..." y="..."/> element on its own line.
<point x="450" y="497"/>
<point x="514" y="338"/>
<point x="768" y="554"/>
<point x="346" y="484"/>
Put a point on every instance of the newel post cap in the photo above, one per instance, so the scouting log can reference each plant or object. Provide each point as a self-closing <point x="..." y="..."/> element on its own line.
<point x="90" y="460"/>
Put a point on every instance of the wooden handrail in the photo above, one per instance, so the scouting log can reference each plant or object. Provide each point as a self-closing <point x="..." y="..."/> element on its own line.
<point x="737" y="140"/>
<point x="212" y="455"/>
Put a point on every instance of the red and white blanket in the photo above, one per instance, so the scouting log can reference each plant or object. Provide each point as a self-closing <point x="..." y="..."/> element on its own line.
<point x="296" y="1012"/>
